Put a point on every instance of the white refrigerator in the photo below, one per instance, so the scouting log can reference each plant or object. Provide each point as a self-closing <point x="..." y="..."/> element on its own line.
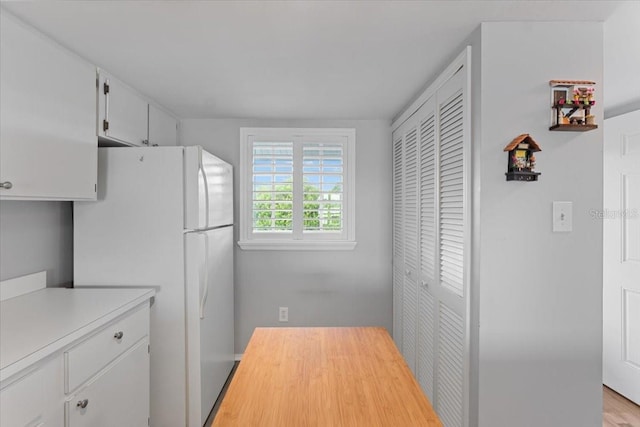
<point x="164" y="219"/>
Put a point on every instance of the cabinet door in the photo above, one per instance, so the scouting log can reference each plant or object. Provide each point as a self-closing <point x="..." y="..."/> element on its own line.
<point x="36" y="398"/>
<point x="119" y="397"/>
<point x="48" y="146"/>
<point x="163" y="128"/>
<point x="122" y="113"/>
<point x="22" y="402"/>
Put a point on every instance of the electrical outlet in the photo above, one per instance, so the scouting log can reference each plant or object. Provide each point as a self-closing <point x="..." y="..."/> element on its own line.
<point x="283" y="314"/>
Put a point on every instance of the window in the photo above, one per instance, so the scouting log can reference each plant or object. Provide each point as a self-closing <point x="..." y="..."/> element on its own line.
<point x="297" y="188"/>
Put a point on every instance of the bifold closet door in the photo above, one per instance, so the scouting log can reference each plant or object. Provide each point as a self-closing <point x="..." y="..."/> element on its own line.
<point x="451" y="293"/>
<point x="405" y="232"/>
<point x="398" y="238"/>
<point x="410" y="288"/>
<point x="425" y="356"/>
<point x="431" y="245"/>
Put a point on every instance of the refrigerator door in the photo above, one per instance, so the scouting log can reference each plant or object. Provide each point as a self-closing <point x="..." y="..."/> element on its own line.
<point x="208" y="190"/>
<point x="209" y="302"/>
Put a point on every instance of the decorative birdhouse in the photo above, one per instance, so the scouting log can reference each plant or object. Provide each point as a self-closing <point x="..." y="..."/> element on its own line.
<point x="521" y="161"/>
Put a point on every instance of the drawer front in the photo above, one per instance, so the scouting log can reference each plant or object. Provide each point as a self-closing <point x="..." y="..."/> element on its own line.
<point x="22" y="402"/>
<point x="93" y="354"/>
<point x="118" y="397"/>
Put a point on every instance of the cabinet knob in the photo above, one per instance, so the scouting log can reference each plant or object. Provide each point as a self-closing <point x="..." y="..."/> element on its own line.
<point x="118" y="335"/>
<point x="82" y="403"/>
<point x="145" y="142"/>
<point x="6" y="185"/>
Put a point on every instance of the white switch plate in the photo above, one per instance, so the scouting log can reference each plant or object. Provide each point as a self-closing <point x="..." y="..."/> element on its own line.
<point x="283" y="314"/>
<point x="562" y="217"/>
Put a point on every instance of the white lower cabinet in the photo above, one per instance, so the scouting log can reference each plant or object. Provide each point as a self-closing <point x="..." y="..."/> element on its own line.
<point x="26" y="398"/>
<point x="118" y="396"/>
<point x="75" y="357"/>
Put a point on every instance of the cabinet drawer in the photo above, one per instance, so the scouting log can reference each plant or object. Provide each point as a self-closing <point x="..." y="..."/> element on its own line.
<point x="93" y="354"/>
<point x="119" y="397"/>
<point x="21" y="403"/>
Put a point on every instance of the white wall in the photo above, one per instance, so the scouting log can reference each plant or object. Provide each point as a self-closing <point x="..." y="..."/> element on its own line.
<point x="345" y="288"/>
<point x="36" y="236"/>
<point x="539" y="292"/>
<point x="621" y="60"/>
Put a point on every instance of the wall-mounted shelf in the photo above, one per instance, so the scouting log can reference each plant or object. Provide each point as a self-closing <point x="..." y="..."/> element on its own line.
<point x="573" y="128"/>
<point x="571" y="102"/>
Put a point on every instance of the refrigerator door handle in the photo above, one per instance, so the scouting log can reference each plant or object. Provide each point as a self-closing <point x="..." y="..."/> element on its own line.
<point x="206" y="189"/>
<point x="205" y="291"/>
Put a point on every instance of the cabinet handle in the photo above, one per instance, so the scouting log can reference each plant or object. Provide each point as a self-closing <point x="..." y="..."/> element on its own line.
<point x="118" y="335"/>
<point x="82" y="403"/>
<point x="6" y="185"/>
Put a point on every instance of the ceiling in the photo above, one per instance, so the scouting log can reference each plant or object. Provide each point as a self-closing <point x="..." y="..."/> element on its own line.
<point x="285" y="59"/>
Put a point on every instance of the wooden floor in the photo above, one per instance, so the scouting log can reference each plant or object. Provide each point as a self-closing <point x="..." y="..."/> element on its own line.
<point x="618" y="411"/>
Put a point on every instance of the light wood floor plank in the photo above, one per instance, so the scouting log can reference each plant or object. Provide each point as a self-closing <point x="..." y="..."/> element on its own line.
<point x="619" y="411"/>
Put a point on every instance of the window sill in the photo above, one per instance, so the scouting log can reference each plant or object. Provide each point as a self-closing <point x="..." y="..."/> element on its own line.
<point x="296" y="245"/>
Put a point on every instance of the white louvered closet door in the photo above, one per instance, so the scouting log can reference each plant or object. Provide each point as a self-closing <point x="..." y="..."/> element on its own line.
<point x="425" y="356"/>
<point x="453" y="242"/>
<point x="398" y="237"/>
<point x="431" y="214"/>
<point x="410" y="289"/>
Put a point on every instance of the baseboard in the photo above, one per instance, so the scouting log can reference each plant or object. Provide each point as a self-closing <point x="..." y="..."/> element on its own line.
<point x="238" y="357"/>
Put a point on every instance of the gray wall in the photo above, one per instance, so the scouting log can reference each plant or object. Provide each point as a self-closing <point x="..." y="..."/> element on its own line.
<point x="540" y="293"/>
<point x="36" y="236"/>
<point x="321" y="288"/>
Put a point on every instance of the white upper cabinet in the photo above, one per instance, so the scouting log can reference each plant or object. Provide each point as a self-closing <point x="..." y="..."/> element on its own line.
<point x="126" y="118"/>
<point x="122" y="112"/>
<point x="163" y="128"/>
<point x="48" y="146"/>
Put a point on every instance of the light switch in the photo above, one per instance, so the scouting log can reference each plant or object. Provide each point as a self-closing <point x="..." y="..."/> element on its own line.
<point x="562" y="217"/>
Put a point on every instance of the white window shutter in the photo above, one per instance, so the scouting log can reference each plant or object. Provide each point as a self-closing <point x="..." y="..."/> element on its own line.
<point x="298" y="188"/>
<point x="323" y="187"/>
<point x="272" y="183"/>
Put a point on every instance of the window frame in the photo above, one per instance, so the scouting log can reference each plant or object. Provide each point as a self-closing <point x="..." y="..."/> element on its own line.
<point x="296" y="240"/>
